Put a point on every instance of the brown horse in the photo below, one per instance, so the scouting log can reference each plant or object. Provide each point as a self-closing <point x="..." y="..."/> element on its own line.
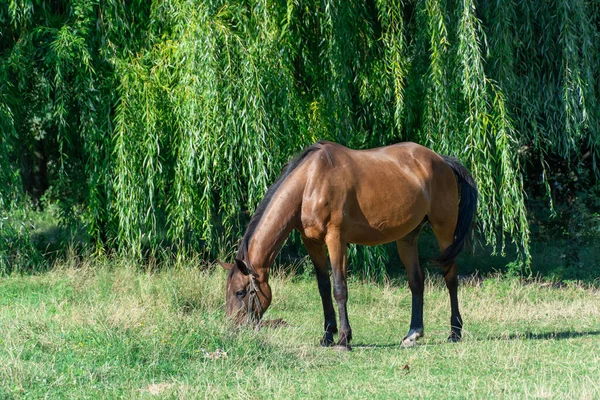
<point x="334" y="196"/>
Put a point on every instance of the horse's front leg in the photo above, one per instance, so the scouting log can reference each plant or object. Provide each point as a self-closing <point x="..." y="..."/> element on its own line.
<point x="339" y="257"/>
<point x="318" y="255"/>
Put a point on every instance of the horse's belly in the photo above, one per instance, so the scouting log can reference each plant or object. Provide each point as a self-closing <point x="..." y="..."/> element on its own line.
<point x="385" y="218"/>
<point x="364" y="234"/>
<point x="381" y="233"/>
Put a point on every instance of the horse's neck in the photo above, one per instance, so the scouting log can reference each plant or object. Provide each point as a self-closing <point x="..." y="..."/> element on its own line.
<point x="280" y="218"/>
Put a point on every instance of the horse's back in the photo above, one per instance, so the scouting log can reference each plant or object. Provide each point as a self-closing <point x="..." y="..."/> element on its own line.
<point x="402" y="167"/>
<point x="372" y="196"/>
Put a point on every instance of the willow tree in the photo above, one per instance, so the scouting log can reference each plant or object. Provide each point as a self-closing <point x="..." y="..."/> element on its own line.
<point x="162" y="123"/>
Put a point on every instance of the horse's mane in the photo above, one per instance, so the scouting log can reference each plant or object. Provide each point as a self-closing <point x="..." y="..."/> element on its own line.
<point x="288" y="168"/>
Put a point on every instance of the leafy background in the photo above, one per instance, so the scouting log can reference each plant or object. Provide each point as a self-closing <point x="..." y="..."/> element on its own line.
<point x="153" y="128"/>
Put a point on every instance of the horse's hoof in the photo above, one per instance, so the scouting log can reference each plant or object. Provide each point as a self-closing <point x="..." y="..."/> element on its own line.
<point x="344" y="340"/>
<point x="327" y="340"/>
<point x="411" y="339"/>
<point x="454" y="338"/>
<point x="341" y="347"/>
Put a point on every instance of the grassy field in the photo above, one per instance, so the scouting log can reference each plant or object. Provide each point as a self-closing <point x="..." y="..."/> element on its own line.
<point x="109" y="330"/>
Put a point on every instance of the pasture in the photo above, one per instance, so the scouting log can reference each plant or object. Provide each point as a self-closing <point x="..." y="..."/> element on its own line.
<point x="107" y="329"/>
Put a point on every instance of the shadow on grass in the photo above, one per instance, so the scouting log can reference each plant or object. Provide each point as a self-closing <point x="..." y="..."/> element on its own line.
<point x="364" y="346"/>
<point x="512" y="336"/>
<point x="543" y="336"/>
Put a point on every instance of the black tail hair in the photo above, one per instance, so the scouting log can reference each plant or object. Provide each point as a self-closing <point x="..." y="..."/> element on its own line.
<point x="467" y="207"/>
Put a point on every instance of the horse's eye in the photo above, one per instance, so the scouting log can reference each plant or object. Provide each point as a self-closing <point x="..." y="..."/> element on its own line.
<point x="240" y="293"/>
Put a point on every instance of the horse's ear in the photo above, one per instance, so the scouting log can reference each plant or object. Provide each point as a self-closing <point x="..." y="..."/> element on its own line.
<point x="242" y="266"/>
<point x="227" y="266"/>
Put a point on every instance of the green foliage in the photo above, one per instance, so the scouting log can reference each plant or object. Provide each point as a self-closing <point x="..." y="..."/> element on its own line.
<point x="161" y="124"/>
<point x="18" y="252"/>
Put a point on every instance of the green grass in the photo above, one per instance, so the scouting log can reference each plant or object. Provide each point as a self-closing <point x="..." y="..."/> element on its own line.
<point x="109" y="330"/>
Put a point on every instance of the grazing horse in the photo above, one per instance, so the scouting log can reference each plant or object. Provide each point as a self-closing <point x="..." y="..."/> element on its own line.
<point x="334" y="196"/>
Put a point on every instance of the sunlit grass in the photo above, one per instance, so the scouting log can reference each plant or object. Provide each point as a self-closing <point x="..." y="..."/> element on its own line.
<point x="105" y="329"/>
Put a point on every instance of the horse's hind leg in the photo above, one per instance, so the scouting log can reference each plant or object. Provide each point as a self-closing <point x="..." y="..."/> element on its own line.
<point x="451" y="277"/>
<point x="409" y="254"/>
<point x="318" y="256"/>
<point x="445" y="236"/>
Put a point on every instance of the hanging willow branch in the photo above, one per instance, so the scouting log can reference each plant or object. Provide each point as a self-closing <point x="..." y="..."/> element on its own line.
<point x="164" y="122"/>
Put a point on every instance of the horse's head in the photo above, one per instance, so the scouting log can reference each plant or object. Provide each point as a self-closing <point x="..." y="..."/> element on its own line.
<point x="248" y="295"/>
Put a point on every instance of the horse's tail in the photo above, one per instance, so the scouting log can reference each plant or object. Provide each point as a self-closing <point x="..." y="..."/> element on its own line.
<point x="467" y="206"/>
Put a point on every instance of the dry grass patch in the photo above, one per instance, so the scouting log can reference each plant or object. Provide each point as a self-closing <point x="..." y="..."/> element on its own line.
<point x="157" y="389"/>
